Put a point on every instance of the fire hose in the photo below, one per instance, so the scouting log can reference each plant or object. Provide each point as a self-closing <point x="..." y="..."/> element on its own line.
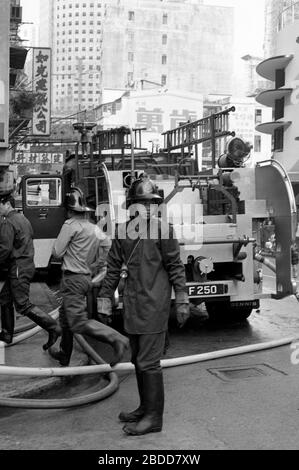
<point x="60" y="403"/>
<point x="103" y="368"/>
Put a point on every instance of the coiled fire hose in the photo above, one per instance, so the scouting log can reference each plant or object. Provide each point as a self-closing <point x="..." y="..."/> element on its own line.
<point x="101" y="367"/>
<point x="65" y="402"/>
<point x="105" y="368"/>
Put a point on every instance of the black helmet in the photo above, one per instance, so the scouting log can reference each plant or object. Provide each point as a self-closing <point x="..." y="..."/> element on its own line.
<point x="143" y="189"/>
<point x="76" y="201"/>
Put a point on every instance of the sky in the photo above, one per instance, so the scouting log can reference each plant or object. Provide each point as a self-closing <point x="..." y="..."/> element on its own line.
<point x="249" y="25"/>
<point x="249" y="22"/>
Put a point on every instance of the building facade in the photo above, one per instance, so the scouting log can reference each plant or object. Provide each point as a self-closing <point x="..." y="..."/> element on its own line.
<point x="283" y="99"/>
<point x="277" y="14"/>
<point x="156" y="111"/>
<point x="182" y="44"/>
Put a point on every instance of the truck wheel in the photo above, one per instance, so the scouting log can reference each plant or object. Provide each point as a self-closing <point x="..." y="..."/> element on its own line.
<point x="223" y="312"/>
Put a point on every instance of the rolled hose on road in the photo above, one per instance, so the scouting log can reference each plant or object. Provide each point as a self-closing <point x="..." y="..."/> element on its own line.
<point x="102" y="368"/>
<point x="66" y="402"/>
<point x="127" y="366"/>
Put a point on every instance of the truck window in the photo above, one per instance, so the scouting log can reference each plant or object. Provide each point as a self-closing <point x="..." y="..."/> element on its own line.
<point x="43" y="192"/>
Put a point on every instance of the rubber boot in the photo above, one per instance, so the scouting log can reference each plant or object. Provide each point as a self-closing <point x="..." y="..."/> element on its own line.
<point x="63" y="355"/>
<point x="46" y="322"/>
<point x="137" y="414"/>
<point x="106" y="334"/>
<point x="7" y="323"/>
<point x="153" y="396"/>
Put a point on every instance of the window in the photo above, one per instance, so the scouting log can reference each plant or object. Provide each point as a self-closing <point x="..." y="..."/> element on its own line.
<point x="279" y="78"/>
<point x="279" y="109"/>
<point x="43" y="192"/>
<point x="130" y="56"/>
<point x="164" y="39"/>
<point x="257" y="143"/>
<point x="278" y="139"/>
<point x="165" y="18"/>
<point x="258" y="116"/>
<point x="131" y="15"/>
<point x="163" y="80"/>
<point x="130" y="77"/>
<point x="164" y="59"/>
<point x="131" y="36"/>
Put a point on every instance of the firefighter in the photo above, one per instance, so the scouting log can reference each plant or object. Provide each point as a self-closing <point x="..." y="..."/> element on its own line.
<point x="20" y="271"/>
<point x="7" y="311"/>
<point x="78" y="245"/>
<point x="150" y="265"/>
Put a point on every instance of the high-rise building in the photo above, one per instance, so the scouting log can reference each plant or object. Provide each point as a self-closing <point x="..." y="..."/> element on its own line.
<point x="283" y="99"/>
<point x="128" y="44"/>
<point x="273" y="11"/>
<point x="183" y="44"/>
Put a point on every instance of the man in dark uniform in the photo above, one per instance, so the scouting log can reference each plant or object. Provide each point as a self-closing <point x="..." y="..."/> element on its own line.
<point x="78" y="245"/>
<point x="153" y="266"/>
<point x="20" y="272"/>
<point x="7" y="311"/>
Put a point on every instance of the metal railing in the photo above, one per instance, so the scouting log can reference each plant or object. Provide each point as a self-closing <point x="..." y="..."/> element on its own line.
<point x="206" y="129"/>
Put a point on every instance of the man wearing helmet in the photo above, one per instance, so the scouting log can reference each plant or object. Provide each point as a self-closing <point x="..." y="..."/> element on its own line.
<point x="152" y="266"/>
<point x="20" y="270"/>
<point x="78" y="244"/>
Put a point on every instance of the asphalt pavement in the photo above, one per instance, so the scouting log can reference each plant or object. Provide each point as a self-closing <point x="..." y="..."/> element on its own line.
<point x="248" y="401"/>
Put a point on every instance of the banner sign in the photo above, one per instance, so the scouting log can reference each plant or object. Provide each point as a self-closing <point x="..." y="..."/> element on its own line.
<point x="38" y="157"/>
<point x="41" y="121"/>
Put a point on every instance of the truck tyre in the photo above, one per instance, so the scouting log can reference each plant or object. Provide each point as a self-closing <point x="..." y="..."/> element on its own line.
<point x="223" y="312"/>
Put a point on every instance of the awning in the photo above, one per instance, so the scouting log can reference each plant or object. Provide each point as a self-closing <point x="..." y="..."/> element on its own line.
<point x="269" y="127"/>
<point x="17" y="57"/>
<point x="268" y="97"/>
<point x="268" y="67"/>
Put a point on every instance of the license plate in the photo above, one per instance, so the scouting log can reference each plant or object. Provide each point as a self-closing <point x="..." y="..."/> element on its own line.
<point x="207" y="290"/>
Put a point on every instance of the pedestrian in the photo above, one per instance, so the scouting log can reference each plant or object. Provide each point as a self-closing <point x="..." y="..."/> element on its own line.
<point x="7" y="311"/>
<point x="20" y="271"/>
<point x="151" y="266"/>
<point x="78" y="246"/>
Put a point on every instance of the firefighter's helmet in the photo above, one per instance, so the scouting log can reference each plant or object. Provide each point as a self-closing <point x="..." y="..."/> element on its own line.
<point x="236" y="154"/>
<point x="143" y="189"/>
<point x="75" y="201"/>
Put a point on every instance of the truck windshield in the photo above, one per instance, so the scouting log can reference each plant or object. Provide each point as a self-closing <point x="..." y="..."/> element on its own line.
<point x="43" y="192"/>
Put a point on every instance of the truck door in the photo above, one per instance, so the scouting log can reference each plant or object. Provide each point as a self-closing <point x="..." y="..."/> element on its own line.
<point x="42" y="200"/>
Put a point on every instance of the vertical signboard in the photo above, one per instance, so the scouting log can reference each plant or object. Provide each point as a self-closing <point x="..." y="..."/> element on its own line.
<point x="4" y="71"/>
<point x="41" y="120"/>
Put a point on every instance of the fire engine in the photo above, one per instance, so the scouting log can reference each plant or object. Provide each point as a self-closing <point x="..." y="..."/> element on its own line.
<point x="220" y="215"/>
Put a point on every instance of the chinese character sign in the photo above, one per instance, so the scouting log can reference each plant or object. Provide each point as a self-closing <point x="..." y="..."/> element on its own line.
<point x="42" y="88"/>
<point x="151" y="119"/>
